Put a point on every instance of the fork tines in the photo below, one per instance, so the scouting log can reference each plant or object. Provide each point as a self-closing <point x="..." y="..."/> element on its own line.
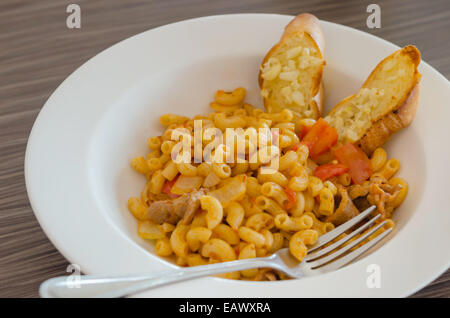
<point x="323" y="258"/>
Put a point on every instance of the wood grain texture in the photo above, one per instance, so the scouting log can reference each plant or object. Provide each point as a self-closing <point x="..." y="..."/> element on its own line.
<point x="38" y="52"/>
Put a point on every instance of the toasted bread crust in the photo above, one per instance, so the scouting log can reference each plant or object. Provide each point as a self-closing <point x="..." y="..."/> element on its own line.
<point x="310" y="25"/>
<point x="318" y="100"/>
<point x="385" y="127"/>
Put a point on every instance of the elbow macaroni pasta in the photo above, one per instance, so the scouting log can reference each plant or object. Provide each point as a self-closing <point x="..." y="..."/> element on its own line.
<point x="244" y="212"/>
<point x="214" y="210"/>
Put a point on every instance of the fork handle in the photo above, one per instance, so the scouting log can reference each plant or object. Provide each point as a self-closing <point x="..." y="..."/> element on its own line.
<point x="120" y="286"/>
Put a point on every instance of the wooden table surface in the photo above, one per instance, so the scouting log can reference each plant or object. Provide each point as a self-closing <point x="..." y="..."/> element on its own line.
<point x="38" y="51"/>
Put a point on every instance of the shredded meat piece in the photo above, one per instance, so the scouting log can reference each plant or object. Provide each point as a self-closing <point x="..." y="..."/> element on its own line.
<point x="359" y="190"/>
<point x="171" y="211"/>
<point x="376" y="191"/>
<point x="361" y="203"/>
<point x="381" y="194"/>
<point x="345" y="211"/>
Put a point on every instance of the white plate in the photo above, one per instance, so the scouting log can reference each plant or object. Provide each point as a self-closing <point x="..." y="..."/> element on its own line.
<point x="77" y="161"/>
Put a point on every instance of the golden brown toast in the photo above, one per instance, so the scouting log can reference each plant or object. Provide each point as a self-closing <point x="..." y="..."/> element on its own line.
<point x="386" y="102"/>
<point x="291" y="72"/>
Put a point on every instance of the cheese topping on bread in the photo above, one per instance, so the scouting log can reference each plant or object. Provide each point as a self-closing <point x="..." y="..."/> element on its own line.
<point x="356" y="115"/>
<point x="288" y="78"/>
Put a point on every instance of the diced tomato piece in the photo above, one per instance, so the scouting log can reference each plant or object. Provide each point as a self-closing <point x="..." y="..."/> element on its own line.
<point x="304" y="131"/>
<point x="168" y="185"/>
<point x="327" y="139"/>
<point x="356" y="160"/>
<point x="329" y="170"/>
<point x="315" y="131"/>
<point x="321" y="137"/>
<point x="291" y="197"/>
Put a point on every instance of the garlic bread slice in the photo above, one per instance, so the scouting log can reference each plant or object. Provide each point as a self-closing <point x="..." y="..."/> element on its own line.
<point x="386" y="102"/>
<point x="291" y="72"/>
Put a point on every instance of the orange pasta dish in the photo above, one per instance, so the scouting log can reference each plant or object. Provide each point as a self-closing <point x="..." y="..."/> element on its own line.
<point x="204" y="201"/>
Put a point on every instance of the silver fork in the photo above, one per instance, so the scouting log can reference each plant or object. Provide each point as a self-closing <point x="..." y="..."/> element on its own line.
<point x="319" y="260"/>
